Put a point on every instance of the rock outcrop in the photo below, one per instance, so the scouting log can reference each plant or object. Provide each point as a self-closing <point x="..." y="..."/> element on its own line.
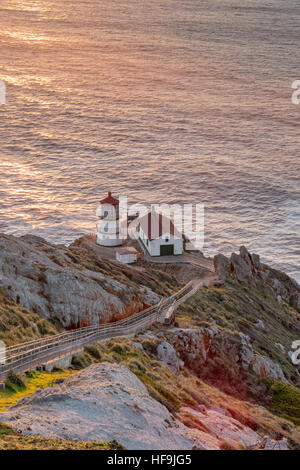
<point x="101" y="403"/>
<point x="167" y="355"/>
<point x="71" y="285"/>
<point x="224" y="428"/>
<point x="200" y="346"/>
<point x="107" y="401"/>
<point x="247" y="268"/>
<point x="271" y="444"/>
<point x="222" y="267"/>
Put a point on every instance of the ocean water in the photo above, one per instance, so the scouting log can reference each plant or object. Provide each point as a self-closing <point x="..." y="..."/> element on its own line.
<point x="175" y="101"/>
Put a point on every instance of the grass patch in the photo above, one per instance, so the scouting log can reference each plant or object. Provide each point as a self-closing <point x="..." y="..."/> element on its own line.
<point x="238" y="307"/>
<point x="93" y="351"/>
<point x="34" y="381"/>
<point x="285" y="400"/>
<point x="12" y="440"/>
<point x="80" y="361"/>
<point x="18" y="325"/>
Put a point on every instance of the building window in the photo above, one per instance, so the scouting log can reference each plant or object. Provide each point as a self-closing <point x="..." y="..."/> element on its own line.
<point x="166" y="240"/>
<point x="147" y="242"/>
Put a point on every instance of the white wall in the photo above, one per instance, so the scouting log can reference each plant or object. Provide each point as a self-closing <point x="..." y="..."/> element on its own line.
<point x="158" y="242"/>
<point x="153" y="246"/>
<point x="108" y="228"/>
<point x="127" y="259"/>
<point x="106" y="240"/>
<point x="112" y="211"/>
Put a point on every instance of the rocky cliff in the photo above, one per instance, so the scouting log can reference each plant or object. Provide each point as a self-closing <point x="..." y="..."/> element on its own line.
<point x="221" y="377"/>
<point x="107" y="401"/>
<point x="247" y="268"/>
<point x="74" y="286"/>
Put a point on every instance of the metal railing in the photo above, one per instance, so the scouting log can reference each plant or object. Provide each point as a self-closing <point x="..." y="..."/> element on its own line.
<point x="29" y="355"/>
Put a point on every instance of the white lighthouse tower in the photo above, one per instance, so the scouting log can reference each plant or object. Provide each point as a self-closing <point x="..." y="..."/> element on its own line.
<point x="108" y="227"/>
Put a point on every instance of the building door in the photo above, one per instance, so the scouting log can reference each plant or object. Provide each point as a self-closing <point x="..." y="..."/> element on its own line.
<point x="166" y="250"/>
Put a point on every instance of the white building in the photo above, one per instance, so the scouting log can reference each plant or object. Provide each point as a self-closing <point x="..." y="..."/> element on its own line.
<point x="159" y="235"/>
<point x="108" y="227"/>
<point x="126" y="254"/>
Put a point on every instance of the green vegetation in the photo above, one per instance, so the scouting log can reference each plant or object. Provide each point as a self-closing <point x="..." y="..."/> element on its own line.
<point x="172" y="390"/>
<point x="158" y="379"/>
<point x="238" y="308"/>
<point x="159" y="281"/>
<point x="93" y="351"/>
<point x="12" y="440"/>
<point x="14" y="381"/>
<point x="80" y="361"/>
<point x="285" y="400"/>
<point x="184" y="389"/>
<point x="234" y="308"/>
<point x="18" y="387"/>
<point x="18" y="325"/>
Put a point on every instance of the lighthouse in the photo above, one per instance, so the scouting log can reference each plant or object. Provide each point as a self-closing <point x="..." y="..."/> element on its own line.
<point x="108" y="227"/>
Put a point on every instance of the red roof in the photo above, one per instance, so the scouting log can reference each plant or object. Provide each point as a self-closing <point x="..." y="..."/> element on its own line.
<point x="110" y="200"/>
<point x="126" y="250"/>
<point x="155" y="225"/>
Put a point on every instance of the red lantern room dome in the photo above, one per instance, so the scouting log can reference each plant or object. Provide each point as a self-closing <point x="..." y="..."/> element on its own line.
<point x="110" y="200"/>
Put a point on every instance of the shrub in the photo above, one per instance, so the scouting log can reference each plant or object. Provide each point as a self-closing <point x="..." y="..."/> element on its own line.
<point x="43" y="327"/>
<point x="14" y="379"/>
<point x="114" y="445"/>
<point x="93" y="351"/>
<point x="117" y="348"/>
<point x="135" y="364"/>
<point x="80" y="361"/>
<point x="285" y="400"/>
<point x="57" y="369"/>
<point x="150" y="346"/>
<point x="5" y="430"/>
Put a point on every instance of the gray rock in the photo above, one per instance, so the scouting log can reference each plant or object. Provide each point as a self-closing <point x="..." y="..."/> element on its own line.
<point x="137" y="345"/>
<point x="271" y="444"/>
<point x="167" y="355"/>
<point x="160" y="335"/>
<point x="221" y="264"/>
<point x="244" y="253"/>
<point x="241" y="268"/>
<point x="265" y="367"/>
<point x="256" y="262"/>
<point x="281" y="347"/>
<point x="101" y="403"/>
<point x="194" y="346"/>
<point x="107" y="401"/>
<point x="45" y="279"/>
<point x="260" y="325"/>
<point x="225" y="427"/>
<point x="149" y="296"/>
<point x="218" y="410"/>
<point x="295" y="301"/>
<point x="247" y="268"/>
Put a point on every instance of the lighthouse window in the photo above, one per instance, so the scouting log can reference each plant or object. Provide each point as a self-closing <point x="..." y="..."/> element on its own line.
<point x="106" y="228"/>
<point x="105" y="214"/>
